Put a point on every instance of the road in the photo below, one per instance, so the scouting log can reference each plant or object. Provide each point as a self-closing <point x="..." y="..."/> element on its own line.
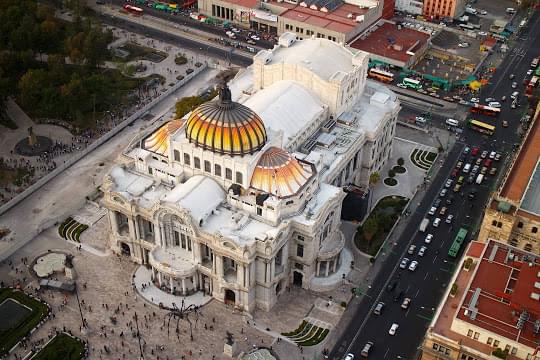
<point x="232" y="56"/>
<point x="426" y="285"/>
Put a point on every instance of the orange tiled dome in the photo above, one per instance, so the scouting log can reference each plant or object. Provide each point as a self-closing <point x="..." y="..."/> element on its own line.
<point x="226" y="127"/>
<point x="280" y="174"/>
<point x="158" y="142"/>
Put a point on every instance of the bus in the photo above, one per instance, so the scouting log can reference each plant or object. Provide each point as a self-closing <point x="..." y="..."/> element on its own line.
<point x="380" y="75"/>
<point x="485" y="110"/>
<point x="531" y="85"/>
<point x="537" y="72"/>
<point x="481" y="127"/>
<point x="458" y="241"/>
<point x="134" y="10"/>
<point x="466" y="26"/>
<point x="411" y="83"/>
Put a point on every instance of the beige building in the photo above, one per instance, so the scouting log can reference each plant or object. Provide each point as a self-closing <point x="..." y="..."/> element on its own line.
<point x="443" y="8"/>
<point x="513" y="212"/>
<point x="337" y="20"/>
<point x="491" y="307"/>
<point x="242" y="197"/>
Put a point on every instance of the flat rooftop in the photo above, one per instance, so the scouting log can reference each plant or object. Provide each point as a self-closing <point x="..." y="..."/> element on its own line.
<point x="499" y="300"/>
<point x="390" y="42"/>
<point x="523" y="181"/>
<point x="342" y="19"/>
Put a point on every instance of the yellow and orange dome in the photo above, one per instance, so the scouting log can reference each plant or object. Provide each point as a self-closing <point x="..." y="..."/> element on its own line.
<point x="158" y="142"/>
<point x="226" y="127"/>
<point x="280" y="174"/>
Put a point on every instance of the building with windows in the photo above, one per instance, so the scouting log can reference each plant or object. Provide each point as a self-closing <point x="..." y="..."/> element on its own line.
<point x="242" y="197"/>
<point x="492" y="307"/>
<point x="415" y="7"/>
<point x="513" y="212"/>
<point x="444" y="8"/>
<point x="337" y="20"/>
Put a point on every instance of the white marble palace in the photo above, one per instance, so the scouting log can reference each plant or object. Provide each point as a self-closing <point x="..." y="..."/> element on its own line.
<point x="242" y="197"/>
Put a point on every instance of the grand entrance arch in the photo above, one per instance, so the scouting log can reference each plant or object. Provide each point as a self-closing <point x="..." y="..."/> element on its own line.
<point x="298" y="277"/>
<point x="125" y="249"/>
<point x="230" y="297"/>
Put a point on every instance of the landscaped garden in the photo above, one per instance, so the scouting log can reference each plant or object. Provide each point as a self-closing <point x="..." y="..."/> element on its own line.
<point x="423" y="158"/>
<point x="307" y="334"/>
<point x="70" y="229"/>
<point x="139" y="52"/>
<point x="62" y="347"/>
<point x="19" y="314"/>
<point x="370" y="236"/>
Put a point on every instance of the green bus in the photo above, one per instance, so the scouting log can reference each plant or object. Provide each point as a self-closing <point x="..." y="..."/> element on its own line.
<point x="412" y="83"/>
<point x="458" y="241"/>
<point x="537" y="72"/>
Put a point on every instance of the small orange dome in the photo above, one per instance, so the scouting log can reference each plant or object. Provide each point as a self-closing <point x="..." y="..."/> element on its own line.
<point x="226" y="127"/>
<point x="280" y="174"/>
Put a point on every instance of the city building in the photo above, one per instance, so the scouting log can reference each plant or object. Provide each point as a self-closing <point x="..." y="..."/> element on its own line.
<point x="513" y="212"/>
<point x="439" y="9"/>
<point x="337" y="20"/>
<point x="242" y="197"/>
<point x="393" y="44"/>
<point x="415" y="7"/>
<point x="491" y="307"/>
<point x="389" y="6"/>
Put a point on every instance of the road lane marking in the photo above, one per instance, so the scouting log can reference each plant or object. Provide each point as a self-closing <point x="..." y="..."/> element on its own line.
<point x="435" y="258"/>
<point x="425" y="277"/>
<point x="417" y="292"/>
<point x="408" y="287"/>
<point x="407" y="313"/>
<point x="386" y="353"/>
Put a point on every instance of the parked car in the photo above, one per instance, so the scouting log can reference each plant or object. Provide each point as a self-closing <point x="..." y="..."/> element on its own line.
<point x="514" y="85"/>
<point x="504" y="123"/>
<point x="495" y="104"/>
<point x="484" y="154"/>
<point x="432" y="210"/>
<point x="449" y="219"/>
<point x="492" y="155"/>
<point x="466" y="150"/>
<point x="478" y="161"/>
<point x="483" y="170"/>
<point x="411" y="250"/>
<point x="449" y="200"/>
<point x="457" y="188"/>
<point x="443" y="211"/>
<point x="475" y="151"/>
<point x="436" y="222"/>
<point x="475" y="100"/>
<point x="404" y="262"/>
<point x="493" y="171"/>
<point x="448" y="183"/>
<point x="393" y="329"/>
<point x="405" y="304"/>
<point x="422" y="251"/>
<point x="443" y="193"/>
<point x="428" y="238"/>
<point x="490" y="99"/>
<point x="413" y="265"/>
<point x="497" y="157"/>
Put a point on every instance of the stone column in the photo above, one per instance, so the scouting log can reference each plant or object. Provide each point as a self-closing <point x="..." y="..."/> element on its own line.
<point x="131" y="228"/>
<point x="196" y="246"/>
<point x="163" y="236"/>
<point x="326" y="268"/>
<point x="240" y="274"/>
<point x="335" y="263"/>
<point x="184" y="287"/>
<point x="171" y="283"/>
<point x="160" y="279"/>
<point x="195" y="282"/>
<point x="157" y="235"/>
<point x="219" y="265"/>
<point x="153" y="272"/>
<point x="114" y="221"/>
<point x="318" y="268"/>
<point x="136" y="226"/>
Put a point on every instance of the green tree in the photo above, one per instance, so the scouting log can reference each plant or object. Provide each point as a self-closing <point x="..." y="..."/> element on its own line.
<point x="31" y="87"/>
<point x="369" y="229"/>
<point x="374" y="178"/>
<point x="400" y="161"/>
<point x="95" y="47"/>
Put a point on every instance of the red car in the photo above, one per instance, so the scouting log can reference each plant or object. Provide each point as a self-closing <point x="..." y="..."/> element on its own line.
<point x="474" y="151"/>
<point x="454" y="173"/>
<point x="487" y="162"/>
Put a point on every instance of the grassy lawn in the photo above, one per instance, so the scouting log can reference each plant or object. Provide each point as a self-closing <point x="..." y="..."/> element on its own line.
<point x="386" y="212"/>
<point x="138" y="52"/>
<point x="62" y="347"/>
<point x="10" y="337"/>
<point x="390" y="181"/>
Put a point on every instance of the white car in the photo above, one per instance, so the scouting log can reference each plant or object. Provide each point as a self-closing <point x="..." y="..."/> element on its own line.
<point x="492" y="155"/>
<point x="411" y="249"/>
<point x="448" y="183"/>
<point x="432" y="211"/>
<point x="449" y="219"/>
<point x="428" y="238"/>
<point x="475" y="100"/>
<point x="235" y="30"/>
<point x="422" y="251"/>
<point x="514" y="85"/>
<point x="255" y="37"/>
<point x="349" y="357"/>
<point x="490" y="99"/>
<point x="436" y="222"/>
<point x="482" y="33"/>
<point x="400" y="85"/>
<point x="393" y="329"/>
<point x="405" y="304"/>
<point x="530" y="71"/>
<point x="404" y="262"/>
<point x="514" y="95"/>
<point x="413" y="265"/>
<point x="443" y="193"/>
<point x="483" y="12"/>
<point x="495" y="104"/>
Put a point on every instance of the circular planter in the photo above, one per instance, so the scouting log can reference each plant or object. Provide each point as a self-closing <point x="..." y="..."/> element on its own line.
<point x="399" y="169"/>
<point x="390" y="181"/>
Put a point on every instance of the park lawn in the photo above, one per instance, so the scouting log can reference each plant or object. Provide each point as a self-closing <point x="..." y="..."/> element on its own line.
<point x="139" y="52"/>
<point x="12" y="336"/>
<point x="62" y="347"/>
<point x="387" y="211"/>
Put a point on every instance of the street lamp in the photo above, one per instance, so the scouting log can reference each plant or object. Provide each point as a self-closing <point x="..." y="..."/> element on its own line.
<point x="139" y="337"/>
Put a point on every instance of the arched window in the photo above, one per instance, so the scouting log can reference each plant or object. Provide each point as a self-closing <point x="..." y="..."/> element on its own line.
<point x="528" y="247"/>
<point x="197" y="162"/>
<point x="207" y="166"/>
<point x="239" y="178"/>
<point x="217" y="170"/>
<point x="187" y="160"/>
<point x="176" y="155"/>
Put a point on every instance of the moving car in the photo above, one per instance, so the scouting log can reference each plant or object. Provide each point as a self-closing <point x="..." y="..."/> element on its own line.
<point x="413" y="265"/>
<point x="393" y="329"/>
<point x="378" y="309"/>
<point x="505" y="123"/>
<point x="496" y="104"/>
<point x="475" y="100"/>
<point x="349" y="356"/>
<point x="511" y="76"/>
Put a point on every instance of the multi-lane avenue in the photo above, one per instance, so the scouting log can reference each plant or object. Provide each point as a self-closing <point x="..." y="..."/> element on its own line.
<point x="428" y="282"/>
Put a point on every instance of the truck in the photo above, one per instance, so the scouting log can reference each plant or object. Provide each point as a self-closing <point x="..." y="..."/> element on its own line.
<point x="470" y="10"/>
<point x="423" y="225"/>
<point x="534" y="62"/>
